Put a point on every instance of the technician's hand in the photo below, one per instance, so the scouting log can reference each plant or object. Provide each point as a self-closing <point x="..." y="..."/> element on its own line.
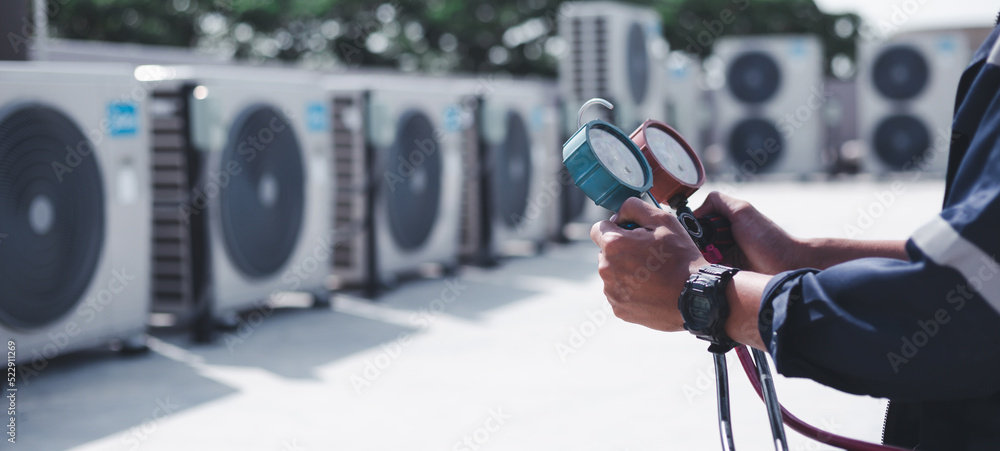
<point x="644" y="269"/>
<point x="761" y="245"/>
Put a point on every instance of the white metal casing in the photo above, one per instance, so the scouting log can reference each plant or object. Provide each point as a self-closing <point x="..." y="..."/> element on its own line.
<point x="231" y="92"/>
<point x="794" y="109"/>
<point x="387" y="99"/>
<point x="115" y="304"/>
<point x="532" y="104"/>
<point x="686" y="107"/>
<point x="597" y="61"/>
<point x="946" y="56"/>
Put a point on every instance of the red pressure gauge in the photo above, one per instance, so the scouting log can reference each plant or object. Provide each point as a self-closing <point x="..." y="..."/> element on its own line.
<point x="677" y="171"/>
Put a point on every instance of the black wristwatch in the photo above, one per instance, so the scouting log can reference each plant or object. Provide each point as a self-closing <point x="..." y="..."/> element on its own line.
<point x="704" y="307"/>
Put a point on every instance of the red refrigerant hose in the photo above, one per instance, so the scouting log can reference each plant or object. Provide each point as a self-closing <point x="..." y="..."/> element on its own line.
<point x="801" y="426"/>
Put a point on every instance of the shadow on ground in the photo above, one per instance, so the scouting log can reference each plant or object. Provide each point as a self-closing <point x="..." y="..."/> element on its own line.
<point x="85" y="396"/>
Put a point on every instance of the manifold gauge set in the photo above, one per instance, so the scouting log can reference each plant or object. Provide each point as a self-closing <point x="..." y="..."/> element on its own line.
<point x="656" y="162"/>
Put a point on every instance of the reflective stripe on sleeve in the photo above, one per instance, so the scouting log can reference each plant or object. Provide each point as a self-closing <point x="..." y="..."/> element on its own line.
<point x="942" y="244"/>
<point x="994" y="56"/>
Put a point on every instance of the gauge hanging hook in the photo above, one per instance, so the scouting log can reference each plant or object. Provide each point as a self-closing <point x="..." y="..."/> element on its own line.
<point x="588" y="104"/>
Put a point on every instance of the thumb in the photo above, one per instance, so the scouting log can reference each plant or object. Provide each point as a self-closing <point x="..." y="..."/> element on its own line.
<point x="636" y="211"/>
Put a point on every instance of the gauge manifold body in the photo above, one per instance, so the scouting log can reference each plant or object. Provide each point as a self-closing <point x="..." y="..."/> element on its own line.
<point x="606" y="164"/>
<point x="677" y="171"/>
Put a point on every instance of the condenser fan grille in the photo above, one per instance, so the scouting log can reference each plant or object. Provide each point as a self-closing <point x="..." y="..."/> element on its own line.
<point x="51" y="214"/>
<point x="414" y="199"/>
<point x="753" y="77"/>
<point x="900" y="73"/>
<point x="513" y="171"/>
<point x="755" y="145"/>
<point x="900" y="141"/>
<point x="262" y="208"/>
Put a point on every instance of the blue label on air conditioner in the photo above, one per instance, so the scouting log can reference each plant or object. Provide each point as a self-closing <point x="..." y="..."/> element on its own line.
<point x="538" y="118"/>
<point x="946" y="44"/>
<point x="452" y="119"/>
<point x="797" y="48"/>
<point x="317" y="118"/>
<point x="123" y="119"/>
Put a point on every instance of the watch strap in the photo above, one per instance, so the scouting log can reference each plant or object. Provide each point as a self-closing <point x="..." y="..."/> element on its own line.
<point x="715" y="269"/>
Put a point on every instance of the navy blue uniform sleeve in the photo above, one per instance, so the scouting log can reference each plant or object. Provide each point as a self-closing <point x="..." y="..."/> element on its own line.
<point x="927" y="328"/>
<point x="887" y="328"/>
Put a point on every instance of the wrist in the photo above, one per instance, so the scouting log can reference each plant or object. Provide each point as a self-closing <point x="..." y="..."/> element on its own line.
<point x="743" y="294"/>
<point x="696" y="266"/>
<point x="803" y="252"/>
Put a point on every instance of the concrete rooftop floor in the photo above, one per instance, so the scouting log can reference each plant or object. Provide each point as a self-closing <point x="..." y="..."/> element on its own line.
<point x="526" y="357"/>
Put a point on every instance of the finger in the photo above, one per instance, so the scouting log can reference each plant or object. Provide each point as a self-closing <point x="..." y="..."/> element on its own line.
<point x="710" y="206"/>
<point x="605" y="231"/>
<point x="603" y="268"/>
<point x="595" y="233"/>
<point x="636" y="211"/>
<point x="716" y="203"/>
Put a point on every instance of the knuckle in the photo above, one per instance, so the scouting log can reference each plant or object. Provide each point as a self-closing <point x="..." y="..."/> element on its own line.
<point x="742" y="209"/>
<point x="617" y="309"/>
<point x="613" y="244"/>
<point x="616" y="292"/>
<point x="611" y="298"/>
<point x="605" y="271"/>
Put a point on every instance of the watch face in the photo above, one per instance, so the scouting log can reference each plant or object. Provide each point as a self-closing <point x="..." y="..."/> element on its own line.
<point x="699" y="309"/>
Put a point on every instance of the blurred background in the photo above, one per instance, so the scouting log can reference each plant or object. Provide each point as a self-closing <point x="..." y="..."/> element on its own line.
<point x="516" y="36"/>
<point x="325" y="224"/>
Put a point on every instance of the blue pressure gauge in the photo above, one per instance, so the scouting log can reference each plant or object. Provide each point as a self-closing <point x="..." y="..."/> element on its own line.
<point x="605" y="163"/>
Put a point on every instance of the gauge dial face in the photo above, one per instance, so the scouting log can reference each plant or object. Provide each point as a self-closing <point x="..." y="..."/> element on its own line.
<point x="616" y="156"/>
<point x="672" y="156"/>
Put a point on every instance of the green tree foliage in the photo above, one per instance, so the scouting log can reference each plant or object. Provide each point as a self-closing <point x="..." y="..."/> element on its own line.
<point x="142" y="21"/>
<point x="693" y="25"/>
<point x="430" y="35"/>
